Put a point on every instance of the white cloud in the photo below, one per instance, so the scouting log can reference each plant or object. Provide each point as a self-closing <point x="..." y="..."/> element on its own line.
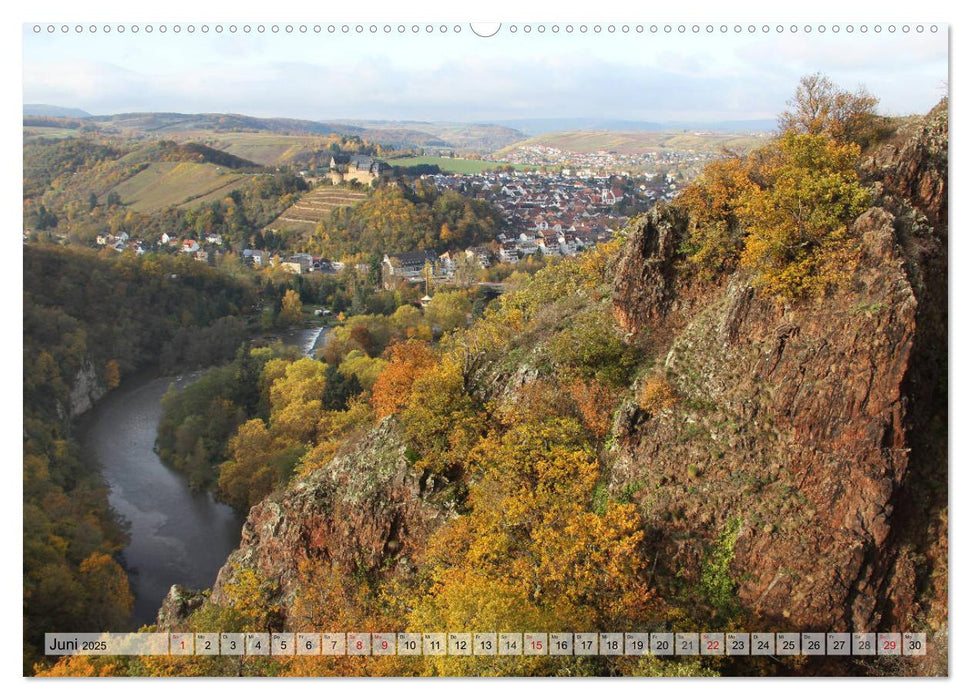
<point x="698" y="81"/>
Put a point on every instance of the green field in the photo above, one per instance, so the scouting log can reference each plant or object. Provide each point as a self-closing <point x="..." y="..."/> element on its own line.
<point x="32" y="133"/>
<point x="462" y="166"/>
<point x="162" y="185"/>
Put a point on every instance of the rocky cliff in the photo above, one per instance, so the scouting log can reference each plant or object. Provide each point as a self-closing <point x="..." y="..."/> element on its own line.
<point x="814" y="431"/>
<point x="86" y="390"/>
<point x="361" y="511"/>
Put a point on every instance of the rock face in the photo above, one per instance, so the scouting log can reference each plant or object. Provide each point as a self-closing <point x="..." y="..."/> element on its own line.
<point x="178" y="604"/>
<point x="362" y="510"/>
<point x="644" y="285"/>
<point x="86" y="391"/>
<point x="817" y="430"/>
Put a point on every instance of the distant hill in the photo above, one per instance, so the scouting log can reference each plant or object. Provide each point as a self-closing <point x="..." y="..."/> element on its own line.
<point x="35" y="110"/>
<point x="174" y="122"/>
<point x="146" y="175"/>
<point x="275" y="141"/>
<point x="583" y="141"/>
<point x="481" y="138"/>
<point x="539" y="126"/>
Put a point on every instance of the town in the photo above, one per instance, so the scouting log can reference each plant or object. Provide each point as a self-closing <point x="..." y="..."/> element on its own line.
<point x="545" y="213"/>
<point x="585" y="164"/>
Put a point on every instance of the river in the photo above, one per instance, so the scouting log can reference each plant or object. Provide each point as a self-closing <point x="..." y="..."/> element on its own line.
<point x="176" y="535"/>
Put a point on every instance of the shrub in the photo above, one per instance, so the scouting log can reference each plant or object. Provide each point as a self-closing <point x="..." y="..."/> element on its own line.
<point x="656" y="395"/>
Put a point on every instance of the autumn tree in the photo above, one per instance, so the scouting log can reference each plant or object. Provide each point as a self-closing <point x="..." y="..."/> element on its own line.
<point x="715" y="235"/>
<point x="820" y="107"/>
<point x="440" y="419"/>
<point x="291" y="308"/>
<point x="108" y="599"/>
<point x="251" y="596"/>
<point x="799" y="241"/>
<point x="249" y="475"/>
<point x="112" y="374"/>
<point x="531" y="551"/>
<point x="406" y="362"/>
<point x="447" y="235"/>
<point x="262" y="455"/>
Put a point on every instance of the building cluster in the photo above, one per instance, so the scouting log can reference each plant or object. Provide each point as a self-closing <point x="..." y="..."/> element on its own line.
<point x="346" y="168"/>
<point x="587" y="164"/>
<point x="585" y="208"/>
<point x="120" y="242"/>
<point x="297" y="263"/>
<point x="549" y="214"/>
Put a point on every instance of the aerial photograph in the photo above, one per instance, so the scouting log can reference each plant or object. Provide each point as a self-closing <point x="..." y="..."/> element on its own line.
<point x="517" y="349"/>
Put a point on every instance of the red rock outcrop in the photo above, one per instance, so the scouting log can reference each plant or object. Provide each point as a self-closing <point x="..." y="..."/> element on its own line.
<point x="360" y="511"/>
<point x="818" y="429"/>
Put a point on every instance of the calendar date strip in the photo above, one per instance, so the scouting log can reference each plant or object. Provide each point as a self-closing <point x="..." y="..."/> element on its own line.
<point x="488" y="644"/>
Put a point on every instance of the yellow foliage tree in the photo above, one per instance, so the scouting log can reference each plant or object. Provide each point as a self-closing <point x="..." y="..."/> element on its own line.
<point x="531" y="552"/>
<point x="250" y="595"/>
<point x="301" y="383"/>
<point x="799" y="241"/>
<point x="655" y="395"/>
<point x="291" y="308"/>
<point x="112" y="374"/>
<point x="439" y="417"/>
<point x="78" y="667"/>
<point x="108" y="599"/>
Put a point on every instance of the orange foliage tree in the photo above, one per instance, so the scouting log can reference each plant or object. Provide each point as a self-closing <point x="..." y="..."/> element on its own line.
<point x="406" y="362"/>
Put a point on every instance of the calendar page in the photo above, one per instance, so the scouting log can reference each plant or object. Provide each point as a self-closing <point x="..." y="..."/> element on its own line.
<point x="442" y="348"/>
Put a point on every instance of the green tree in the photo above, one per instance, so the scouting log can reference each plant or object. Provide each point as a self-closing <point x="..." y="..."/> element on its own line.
<point x="449" y="310"/>
<point x="339" y="388"/>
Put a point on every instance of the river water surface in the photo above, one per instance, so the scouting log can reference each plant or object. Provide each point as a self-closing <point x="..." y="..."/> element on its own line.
<point x="176" y="535"/>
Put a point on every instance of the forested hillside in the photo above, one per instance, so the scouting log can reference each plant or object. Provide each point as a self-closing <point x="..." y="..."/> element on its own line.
<point x="88" y="323"/>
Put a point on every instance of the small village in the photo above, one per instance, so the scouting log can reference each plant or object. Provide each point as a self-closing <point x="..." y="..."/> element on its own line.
<point x="549" y="214"/>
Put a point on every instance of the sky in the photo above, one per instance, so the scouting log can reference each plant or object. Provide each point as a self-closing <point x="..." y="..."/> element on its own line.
<point x="466" y="78"/>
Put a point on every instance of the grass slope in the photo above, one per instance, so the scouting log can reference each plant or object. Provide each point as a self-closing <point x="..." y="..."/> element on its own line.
<point x="263" y="148"/>
<point x="165" y="184"/>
